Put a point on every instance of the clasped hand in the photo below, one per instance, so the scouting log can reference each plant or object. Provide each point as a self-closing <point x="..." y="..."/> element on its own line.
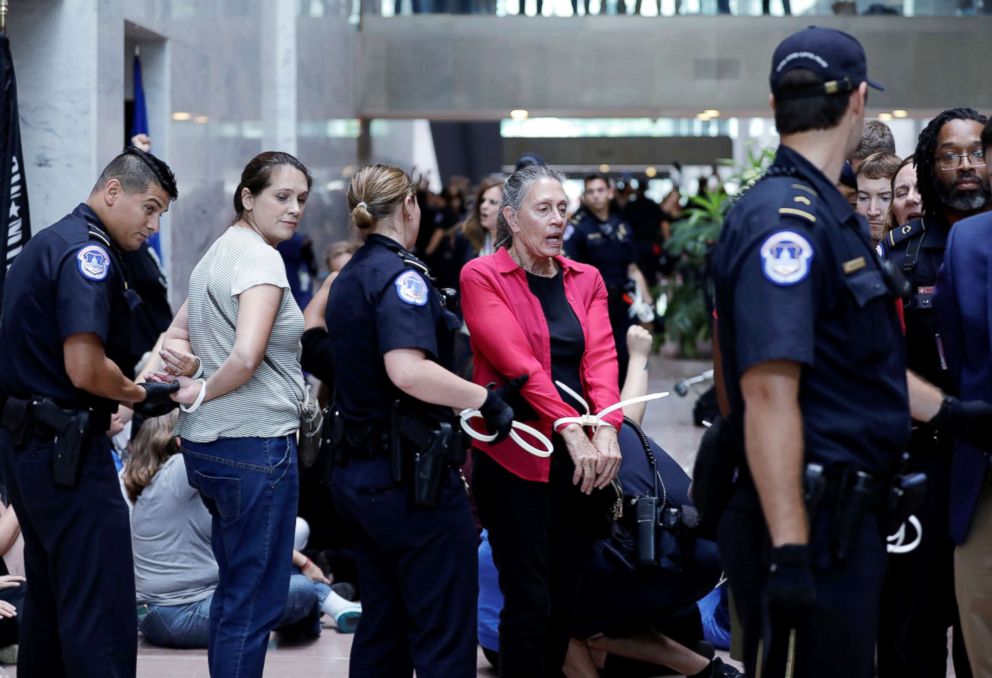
<point x="188" y="388"/>
<point x="178" y="366"/>
<point x="597" y="460"/>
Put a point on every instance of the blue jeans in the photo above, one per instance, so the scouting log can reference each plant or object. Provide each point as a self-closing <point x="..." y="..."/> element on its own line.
<point x="250" y="487"/>
<point x="188" y="625"/>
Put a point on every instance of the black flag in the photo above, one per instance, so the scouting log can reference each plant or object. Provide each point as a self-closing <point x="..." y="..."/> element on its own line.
<point x="15" y="226"/>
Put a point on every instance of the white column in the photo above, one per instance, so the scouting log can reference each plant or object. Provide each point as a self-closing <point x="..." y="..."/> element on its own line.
<point x="68" y="60"/>
<point x="279" y="77"/>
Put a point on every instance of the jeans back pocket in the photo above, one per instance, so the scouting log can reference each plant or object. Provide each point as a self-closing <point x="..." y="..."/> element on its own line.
<point x="223" y="493"/>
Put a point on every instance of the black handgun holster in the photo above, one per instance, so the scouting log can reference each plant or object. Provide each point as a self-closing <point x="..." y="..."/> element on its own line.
<point x="70" y="432"/>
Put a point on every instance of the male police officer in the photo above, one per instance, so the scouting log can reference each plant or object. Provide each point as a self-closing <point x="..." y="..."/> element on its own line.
<point x="816" y="377"/>
<point x="810" y="343"/>
<point x="952" y="175"/>
<point x="65" y="311"/>
<point x="598" y="236"/>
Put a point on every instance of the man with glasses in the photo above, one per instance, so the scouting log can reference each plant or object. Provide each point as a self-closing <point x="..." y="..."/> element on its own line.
<point x="963" y="315"/>
<point x="918" y="603"/>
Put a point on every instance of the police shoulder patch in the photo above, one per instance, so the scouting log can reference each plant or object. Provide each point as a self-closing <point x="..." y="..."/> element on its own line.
<point x="785" y="257"/>
<point x="93" y="262"/>
<point x="411" y="288"/>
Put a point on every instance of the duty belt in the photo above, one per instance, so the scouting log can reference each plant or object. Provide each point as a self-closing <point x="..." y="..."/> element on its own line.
<point x="43" y="417"/>
<point x="364" y="441"/>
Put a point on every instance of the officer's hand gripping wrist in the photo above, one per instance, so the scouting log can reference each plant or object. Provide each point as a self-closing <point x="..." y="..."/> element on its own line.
<point x="498" y="415"/>
<point x="157" y="401"/>
<point x="509" y="393"/>
<point x="970" y="420"/>
<point x="790" y="591"/>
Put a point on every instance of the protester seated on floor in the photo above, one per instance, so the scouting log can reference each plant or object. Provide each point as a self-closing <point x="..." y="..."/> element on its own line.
<point x="645" y="614"/>
<point x="175" y="569"/>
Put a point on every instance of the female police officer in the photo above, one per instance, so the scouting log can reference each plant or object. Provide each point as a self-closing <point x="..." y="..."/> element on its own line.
<point x="389" y="338"/>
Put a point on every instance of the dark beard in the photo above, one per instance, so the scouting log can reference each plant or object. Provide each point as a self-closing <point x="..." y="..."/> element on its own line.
<point x="963" y="201"/>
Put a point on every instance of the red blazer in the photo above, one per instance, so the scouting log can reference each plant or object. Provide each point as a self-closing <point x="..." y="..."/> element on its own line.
<point x="510" y="337"/>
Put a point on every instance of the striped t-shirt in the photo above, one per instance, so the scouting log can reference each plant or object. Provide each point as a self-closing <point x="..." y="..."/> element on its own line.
<point x="268" y="404"/>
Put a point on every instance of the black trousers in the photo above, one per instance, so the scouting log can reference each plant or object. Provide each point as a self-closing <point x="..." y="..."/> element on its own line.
<point x="419" y="572"/>
<point x="79" y="615"/>
<point x="541" y="536"/>
<point x="837" y="638"/>
<point x="918" y="604"/>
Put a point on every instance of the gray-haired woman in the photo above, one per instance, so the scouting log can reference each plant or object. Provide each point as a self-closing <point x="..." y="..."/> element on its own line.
<point x="532" y="312"/>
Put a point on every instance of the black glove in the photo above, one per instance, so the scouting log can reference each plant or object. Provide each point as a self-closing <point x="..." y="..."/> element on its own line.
<point x="970" y="420"/>
<point x="510" y="394"/>
<point x="498" y="415"/>
<point x="790" y="591"/>
<point x="157" y="401"/>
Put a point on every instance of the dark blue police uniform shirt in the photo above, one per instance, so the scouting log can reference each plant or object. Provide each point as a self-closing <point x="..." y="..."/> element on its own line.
<point x="607" y="245"/>
<point x="378" y="304"/>
<point x="798" y="280"/>
<point x="64" y="282"/>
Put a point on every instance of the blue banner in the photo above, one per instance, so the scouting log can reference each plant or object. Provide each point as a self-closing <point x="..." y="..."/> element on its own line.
<point x="139" y="125"/>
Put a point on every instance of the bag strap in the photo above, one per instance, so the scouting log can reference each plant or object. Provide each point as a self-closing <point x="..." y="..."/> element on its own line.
<point x="265" y="358"/>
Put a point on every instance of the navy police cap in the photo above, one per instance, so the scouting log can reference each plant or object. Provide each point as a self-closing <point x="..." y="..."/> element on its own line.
<point x="835" y="56"/>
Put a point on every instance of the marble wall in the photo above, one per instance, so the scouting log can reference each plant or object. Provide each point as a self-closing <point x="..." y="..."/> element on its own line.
<point x="224" y="80"/>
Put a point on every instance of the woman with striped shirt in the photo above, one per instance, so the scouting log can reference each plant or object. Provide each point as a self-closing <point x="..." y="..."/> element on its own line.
<point x="239" y="421"/>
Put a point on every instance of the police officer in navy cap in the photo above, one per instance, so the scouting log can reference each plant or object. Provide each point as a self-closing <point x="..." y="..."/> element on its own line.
<point x="598" y="235"/>
<point x="64" y="326"/>
<point x="395" y="442"/>
<point x="815" y="371"/>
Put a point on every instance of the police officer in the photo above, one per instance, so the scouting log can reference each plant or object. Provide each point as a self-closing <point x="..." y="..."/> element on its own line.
<point x="396" y="447"/>
<point x="64" y="326"/>
<point x="815" y="373"/>
<point x="952" y="171"/>
<point x="599" y="236"/>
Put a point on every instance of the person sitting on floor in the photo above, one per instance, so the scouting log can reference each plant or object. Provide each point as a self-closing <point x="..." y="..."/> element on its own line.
<point x="175" y="569"/>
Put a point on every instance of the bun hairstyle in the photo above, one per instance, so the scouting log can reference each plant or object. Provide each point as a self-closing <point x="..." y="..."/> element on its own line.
<point x="257" y="175"/>
<point x="374" y="193"/>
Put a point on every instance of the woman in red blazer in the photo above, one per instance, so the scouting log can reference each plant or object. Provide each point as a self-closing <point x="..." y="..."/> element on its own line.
<point x="532" y="312"/>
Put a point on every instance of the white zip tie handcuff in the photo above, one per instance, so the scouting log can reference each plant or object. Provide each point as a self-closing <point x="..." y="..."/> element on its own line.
<point x="895" y="542"/>
<point x="517" y="426"/>
<point x="587" y="419"/>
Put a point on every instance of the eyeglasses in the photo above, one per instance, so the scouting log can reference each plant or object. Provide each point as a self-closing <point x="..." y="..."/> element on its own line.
<point x="951" y="161"/>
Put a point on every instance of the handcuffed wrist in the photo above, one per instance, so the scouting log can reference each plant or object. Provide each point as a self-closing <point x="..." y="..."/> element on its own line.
<point x="199" y="398"/>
